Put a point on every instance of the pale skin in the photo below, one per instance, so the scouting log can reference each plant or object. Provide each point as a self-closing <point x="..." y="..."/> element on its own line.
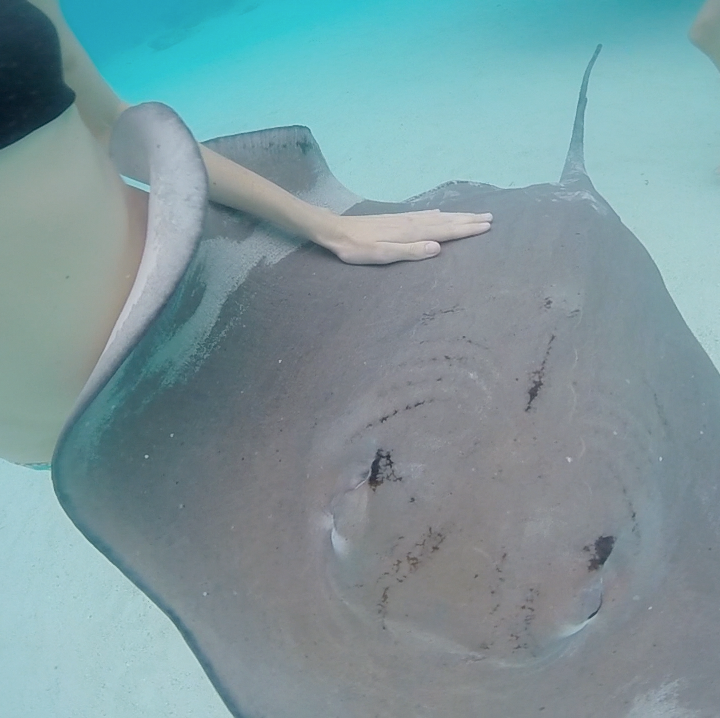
<point x="72" y="235"/>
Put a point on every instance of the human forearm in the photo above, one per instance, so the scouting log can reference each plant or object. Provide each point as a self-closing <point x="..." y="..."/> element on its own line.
<point x="378" y="239"/>
<point x="235" y="186"/>
<point x="98" y="105"/>
<point x="358" y="240"/>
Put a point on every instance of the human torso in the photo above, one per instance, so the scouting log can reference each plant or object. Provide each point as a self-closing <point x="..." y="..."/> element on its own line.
<point x="70" y="245"/>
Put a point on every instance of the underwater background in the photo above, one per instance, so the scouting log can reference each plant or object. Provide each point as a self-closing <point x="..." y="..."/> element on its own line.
<point x="401" y="96"/>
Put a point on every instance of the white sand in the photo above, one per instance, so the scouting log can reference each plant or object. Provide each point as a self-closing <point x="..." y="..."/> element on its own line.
<point x="401" y="95"/>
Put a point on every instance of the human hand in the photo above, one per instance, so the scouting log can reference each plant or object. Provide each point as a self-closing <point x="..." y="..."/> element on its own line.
<point x="386" y="238"/>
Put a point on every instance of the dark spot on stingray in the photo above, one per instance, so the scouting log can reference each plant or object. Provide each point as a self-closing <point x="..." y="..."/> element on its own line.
<point x="382" y="469"/>
<point x="414" y="406"/>
<point x="382" y="603"/>
<point x="601" y="551"/>
<point x="537" y="378"/>
<point x="408" y="407"/>
<point x="660" y="411"/>
<point x="548" y="302"/>
<point x="304" y="146"/>
<point x="383" y="419"/>
<point x="427" y="317"/>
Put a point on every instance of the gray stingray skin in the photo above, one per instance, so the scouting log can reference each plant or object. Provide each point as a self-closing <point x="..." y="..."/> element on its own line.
<point x="482" y="486"/>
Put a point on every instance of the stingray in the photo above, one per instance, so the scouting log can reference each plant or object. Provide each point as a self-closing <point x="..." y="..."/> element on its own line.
<point x="480" y="486"/>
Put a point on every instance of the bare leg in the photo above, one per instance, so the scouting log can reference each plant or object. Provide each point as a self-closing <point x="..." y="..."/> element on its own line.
<point x="705" y="30"/>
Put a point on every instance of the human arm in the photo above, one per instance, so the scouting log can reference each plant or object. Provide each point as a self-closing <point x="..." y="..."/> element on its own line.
<point x="377" y="239"/>
<point x="98" y="105"/>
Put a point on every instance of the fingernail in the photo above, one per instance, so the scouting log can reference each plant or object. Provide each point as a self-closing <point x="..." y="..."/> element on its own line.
<point x="487" y="216"/>
<point x="432" y="248"/>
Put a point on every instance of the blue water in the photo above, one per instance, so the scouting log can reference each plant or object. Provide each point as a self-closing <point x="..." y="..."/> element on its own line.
<point x="107" y="26"/>
<point x="402" y="95"/>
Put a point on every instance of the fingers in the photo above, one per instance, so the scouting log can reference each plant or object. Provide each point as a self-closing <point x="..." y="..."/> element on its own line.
<point x="443" y="217"/>
<point x="409" y="236"/>
<point x="436" y="226"/>
<point x="447" y="232"/>
<point x="411" y="252"/>
<point x="390" y="252"/>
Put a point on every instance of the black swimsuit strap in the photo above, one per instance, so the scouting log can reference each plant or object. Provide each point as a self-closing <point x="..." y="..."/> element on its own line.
<point x="32" y="89"/>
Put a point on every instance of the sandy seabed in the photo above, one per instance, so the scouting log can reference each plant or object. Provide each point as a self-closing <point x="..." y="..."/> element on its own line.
<point x="401" y="95"/>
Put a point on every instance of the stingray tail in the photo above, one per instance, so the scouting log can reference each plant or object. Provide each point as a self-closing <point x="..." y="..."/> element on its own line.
<point x="574" y="168"/>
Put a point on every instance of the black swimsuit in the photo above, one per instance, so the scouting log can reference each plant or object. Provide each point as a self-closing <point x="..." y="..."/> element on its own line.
<point x="32" y="90"/>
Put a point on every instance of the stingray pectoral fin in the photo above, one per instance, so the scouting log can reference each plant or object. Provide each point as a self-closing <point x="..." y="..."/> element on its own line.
<point x="152" y="144"/>
<point x="291" y="158"/>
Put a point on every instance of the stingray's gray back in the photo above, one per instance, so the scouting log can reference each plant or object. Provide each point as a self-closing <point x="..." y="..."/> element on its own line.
<point x="195" y="469"/>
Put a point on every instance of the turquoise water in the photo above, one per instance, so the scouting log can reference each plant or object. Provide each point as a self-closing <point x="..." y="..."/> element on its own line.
<point x="401" y="95"/>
